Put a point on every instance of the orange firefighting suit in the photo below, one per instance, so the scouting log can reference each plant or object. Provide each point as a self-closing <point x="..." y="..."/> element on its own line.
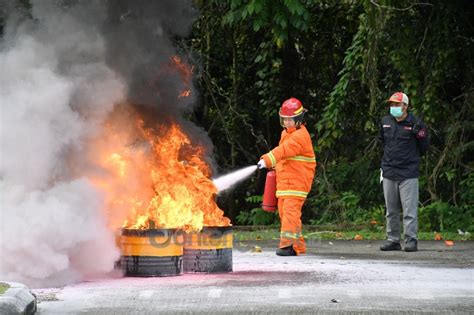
<point x="295" y="164"/>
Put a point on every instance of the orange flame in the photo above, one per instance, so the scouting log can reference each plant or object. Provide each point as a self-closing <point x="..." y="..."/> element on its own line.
<point x="154" y="176"/>
<point x="186" y="73"/>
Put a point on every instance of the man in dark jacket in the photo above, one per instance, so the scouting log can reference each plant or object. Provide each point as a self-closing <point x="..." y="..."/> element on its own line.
<point x="404" y="139"/>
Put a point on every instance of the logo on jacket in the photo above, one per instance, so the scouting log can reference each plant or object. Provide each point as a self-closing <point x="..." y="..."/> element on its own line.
<point x="421" y="134"/>
<point x="386" y="126"/>
<point x="407" y="128"/>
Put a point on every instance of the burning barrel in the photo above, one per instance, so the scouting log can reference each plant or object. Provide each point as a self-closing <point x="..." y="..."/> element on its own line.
<point x="152" y="252"/>
<point x="209" y="250"/>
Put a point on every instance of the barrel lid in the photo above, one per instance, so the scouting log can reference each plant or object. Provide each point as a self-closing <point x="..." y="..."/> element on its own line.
<point x="148" y="232"/>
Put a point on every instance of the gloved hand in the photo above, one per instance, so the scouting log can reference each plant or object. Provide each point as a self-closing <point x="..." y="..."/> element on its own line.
<point x="261" y="164"/>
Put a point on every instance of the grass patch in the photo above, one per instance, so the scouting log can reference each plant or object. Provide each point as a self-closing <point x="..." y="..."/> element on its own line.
<point x="260" y="235"/>
<point x="3" y="287"/>
<point x="376" y="233"/>
<point x="379" y="235"/>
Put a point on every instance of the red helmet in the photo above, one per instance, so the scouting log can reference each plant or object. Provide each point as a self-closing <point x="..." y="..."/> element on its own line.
<point x="292" y="108"/>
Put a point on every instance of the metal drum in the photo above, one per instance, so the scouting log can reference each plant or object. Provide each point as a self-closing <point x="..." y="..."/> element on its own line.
<point x="209" y="250"/>
<point x="152" y="252"/>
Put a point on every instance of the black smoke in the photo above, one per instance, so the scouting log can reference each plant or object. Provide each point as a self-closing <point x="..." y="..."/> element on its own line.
<point x="139" y="36"/>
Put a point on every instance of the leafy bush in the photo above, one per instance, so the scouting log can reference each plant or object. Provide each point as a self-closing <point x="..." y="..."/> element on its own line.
<point x="441" y="216"/>
<point x="256" y="216"/>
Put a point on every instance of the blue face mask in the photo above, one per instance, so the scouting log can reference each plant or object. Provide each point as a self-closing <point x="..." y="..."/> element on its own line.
<point x="396" y="111"/>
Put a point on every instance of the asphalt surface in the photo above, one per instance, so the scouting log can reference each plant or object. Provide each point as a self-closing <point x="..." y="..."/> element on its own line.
<point x="343" y="277"/>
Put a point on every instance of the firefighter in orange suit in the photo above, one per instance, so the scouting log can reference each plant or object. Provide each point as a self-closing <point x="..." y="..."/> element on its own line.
<point x="295" y="165"/>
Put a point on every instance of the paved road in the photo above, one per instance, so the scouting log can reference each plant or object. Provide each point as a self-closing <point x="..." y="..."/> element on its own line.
<point x="351" y="277"/>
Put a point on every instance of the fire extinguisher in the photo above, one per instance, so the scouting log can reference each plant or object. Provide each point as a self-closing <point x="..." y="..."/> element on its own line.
<point x="270" y="200"/>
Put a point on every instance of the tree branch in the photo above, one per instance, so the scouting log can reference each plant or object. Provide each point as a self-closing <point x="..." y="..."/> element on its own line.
<point x="399" y="9"/>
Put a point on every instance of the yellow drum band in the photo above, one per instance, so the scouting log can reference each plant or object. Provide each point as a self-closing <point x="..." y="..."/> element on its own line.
<point x="205" y="241"/>
<point x="151" y="246"/>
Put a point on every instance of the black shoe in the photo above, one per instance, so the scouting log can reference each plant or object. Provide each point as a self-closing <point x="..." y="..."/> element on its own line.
<point x="411" y="245"/>
<point x="286" y="251"/>
<point x="388" y="245"/>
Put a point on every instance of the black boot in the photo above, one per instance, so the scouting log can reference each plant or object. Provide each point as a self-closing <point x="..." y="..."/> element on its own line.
<point x="388" y="245"/>
<point x="411" y="245"/>
<point x="286" y="251"/>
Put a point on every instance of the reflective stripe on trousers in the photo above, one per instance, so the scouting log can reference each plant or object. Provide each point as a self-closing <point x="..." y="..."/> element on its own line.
<point x="291" y="193"/>
<point x="289" y="210"/>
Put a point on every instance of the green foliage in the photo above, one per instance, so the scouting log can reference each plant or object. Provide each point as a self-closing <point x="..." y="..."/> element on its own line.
<point x="441" y="216"/>
<point x="343" y="59"/>
<point x="341" y="234"/>
<point x="279" y="17"/>
<point x="466" y="186"/>
<point x="256" y="216"/>
<point x="255" y="199"/>
<point x="331" y="124"/>
<point x="331" y="202"/>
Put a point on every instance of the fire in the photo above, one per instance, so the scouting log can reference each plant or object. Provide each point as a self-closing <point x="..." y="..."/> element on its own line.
<point x="118" y="161"/>
<point x="186" y="73"/>
<point x="185" y="93"/>
<point x="154" y="176"/>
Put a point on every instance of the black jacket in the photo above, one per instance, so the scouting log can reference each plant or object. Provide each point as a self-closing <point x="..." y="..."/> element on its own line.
<point x="402" y="148"/>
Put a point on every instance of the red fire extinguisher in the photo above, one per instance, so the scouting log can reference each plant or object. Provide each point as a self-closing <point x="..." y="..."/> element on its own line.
<point x="270" y="200"/>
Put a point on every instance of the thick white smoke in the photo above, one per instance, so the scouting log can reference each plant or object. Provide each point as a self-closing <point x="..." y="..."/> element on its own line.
<point x="55" y="90"/>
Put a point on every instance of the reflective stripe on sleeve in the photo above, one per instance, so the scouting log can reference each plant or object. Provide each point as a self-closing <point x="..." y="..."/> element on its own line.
<point x="272" y="158"/>
<point x="302" y="158"/>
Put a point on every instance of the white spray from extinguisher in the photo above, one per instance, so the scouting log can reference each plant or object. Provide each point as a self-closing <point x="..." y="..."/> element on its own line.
<point x="226" y="181"/>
